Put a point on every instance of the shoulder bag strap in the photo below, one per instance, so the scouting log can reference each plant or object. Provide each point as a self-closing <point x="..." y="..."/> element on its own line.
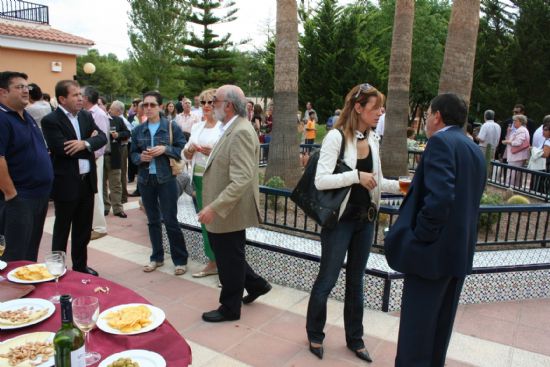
<point x="170" y="131"/>
<point x="343" y="146"/>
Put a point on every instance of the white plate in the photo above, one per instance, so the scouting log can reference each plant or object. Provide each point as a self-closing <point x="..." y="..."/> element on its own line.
<point x="49" y="363"/>
<point x="3" y="265"/>
<point x="34" y="303"/>
<point x="157" y="318"/>
<point x="13" y="278"/>
<point x="145" y="358"/>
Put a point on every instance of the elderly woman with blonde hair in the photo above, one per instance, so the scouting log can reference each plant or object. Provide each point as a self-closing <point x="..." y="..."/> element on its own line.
<point x="204" y="135"/>
<point x="517" y="147"/>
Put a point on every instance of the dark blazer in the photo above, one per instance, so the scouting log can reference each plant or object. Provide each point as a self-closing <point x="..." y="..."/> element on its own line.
<point x="57" y="129"/>
<point x="123" y="134"/>
<point x="436" y="232"/>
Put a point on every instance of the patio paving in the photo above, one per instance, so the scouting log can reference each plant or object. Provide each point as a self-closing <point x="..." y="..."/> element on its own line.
<point x="271" y="331"/>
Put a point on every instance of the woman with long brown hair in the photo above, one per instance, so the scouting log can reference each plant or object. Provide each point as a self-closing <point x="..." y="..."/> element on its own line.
<point x="354" y="232"/>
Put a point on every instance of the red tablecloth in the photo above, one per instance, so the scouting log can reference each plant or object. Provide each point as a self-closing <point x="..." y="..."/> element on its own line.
<point x="164" y="340"/>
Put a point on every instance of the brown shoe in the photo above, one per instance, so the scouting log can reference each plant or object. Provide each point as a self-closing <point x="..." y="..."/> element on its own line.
<point x="95" y="235"/>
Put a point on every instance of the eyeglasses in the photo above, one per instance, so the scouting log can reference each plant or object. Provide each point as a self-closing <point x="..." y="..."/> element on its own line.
<point x="23" y="87"/>
<point x="207" y="102"/>
<point x="218" y="100"/>
<point x="365" y="87"/>
<point x="150" y="105"/>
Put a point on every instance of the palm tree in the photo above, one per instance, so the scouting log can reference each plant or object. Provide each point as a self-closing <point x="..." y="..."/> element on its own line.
<point x="284" y="146"/>
<point x="457" y="73"/>
<point x="394" y="147"/>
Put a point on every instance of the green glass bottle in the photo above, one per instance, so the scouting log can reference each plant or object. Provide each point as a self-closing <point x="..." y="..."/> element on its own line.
<point x="69" y="340"/>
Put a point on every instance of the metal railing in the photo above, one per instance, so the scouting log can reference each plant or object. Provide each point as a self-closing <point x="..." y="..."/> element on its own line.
<point x="533" y="183"/>
<point x="25" y="11"/>
<point x="510" y="226"/>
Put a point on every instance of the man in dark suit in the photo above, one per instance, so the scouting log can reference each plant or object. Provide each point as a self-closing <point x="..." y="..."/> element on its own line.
<point x="112" y="180"/>
<point x="72" y="137"/>
<point x="433" y="240"/>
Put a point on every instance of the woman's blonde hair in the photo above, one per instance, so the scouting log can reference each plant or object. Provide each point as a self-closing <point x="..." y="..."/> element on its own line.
<point x="348" y="121"/>
<point x="207" y="94"/>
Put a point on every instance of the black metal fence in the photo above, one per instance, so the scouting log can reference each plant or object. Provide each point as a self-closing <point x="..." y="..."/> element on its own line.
<point x="522" y="180"/>
<point x="24" y="10"/>
<point x="503" y="226"/>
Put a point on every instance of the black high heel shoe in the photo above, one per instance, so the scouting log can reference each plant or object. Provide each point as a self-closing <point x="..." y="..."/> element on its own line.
<point x="363" y="354"/>
<point x="317" y="351"/>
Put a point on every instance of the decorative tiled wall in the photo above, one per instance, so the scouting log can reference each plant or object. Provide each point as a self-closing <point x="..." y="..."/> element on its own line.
<point x="293" y="262"/>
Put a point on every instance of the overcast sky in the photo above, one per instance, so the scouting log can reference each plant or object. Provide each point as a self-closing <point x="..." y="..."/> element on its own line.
<point x="106" y="22"/>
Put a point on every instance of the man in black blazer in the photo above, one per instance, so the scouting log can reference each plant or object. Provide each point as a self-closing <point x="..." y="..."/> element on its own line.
<point x="433" y="240"/>
<point x="72" y="137"/>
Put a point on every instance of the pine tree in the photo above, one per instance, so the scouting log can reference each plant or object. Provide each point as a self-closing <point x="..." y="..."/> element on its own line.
<point x="209" y="59"/>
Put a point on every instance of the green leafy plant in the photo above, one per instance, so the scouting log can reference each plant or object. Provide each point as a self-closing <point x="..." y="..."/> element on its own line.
<point x="277" y="183"/>
<point x="489" y="219"/>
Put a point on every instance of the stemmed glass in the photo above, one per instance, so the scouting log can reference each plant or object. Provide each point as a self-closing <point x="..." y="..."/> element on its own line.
<point x="112" y="129"/>
<point x="85" y="315"/>
<point x="55" y="262"/>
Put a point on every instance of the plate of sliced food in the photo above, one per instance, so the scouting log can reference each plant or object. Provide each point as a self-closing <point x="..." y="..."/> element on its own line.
<point x="24" y="312"/>
<point x="130" y="319"/>
<point x="29" y="274"/>
<point x="134" y="358"/>
<point x="28" y="350"/>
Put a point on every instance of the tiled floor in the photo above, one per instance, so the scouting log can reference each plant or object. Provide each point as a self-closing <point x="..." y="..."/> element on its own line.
<point x="271" y="331"/>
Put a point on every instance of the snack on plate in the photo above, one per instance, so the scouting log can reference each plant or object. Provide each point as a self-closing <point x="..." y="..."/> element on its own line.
<point x="21" y="316"/>
<point x="33" y="272"/>
<point x="128" y="319"/>
<point x="26" y="351"/>
<point x="123" y="362"/>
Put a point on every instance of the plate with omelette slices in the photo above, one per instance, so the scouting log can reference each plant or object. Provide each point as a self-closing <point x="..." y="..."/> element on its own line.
<point x="30" y="274"/>
<point x="28" y="350"/>
<point x="130" y="319"/>
<point x="24" y="312"/>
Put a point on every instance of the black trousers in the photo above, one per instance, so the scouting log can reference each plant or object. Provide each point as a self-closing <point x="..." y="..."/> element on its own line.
<point x="428" y="310"/>
<point x="234" y="272"/>
<point x="132" y="168"/>
<point x="77" y="214"/>
<point x="22" y="227"/>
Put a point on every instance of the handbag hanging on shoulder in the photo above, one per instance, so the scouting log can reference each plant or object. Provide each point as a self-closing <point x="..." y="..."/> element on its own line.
<point x="323" y="206"/>
<point x="521" y="147"/>
<point x="175" y="165"/>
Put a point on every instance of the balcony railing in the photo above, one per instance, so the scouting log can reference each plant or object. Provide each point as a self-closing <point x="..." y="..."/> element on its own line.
<point x="24" y="11"/>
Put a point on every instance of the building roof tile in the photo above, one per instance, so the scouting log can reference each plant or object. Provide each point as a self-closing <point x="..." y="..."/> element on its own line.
<point x="41" y="32"/>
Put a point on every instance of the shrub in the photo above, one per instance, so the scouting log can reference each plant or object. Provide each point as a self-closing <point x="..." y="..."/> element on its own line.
<point x="489" y="219"/>
<point x="277" y="183"/>
<point x="518" y="200"/>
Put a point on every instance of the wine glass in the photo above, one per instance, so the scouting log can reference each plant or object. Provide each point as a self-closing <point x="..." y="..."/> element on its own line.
<point x="55" y="262"/>
<point x="85" y="315"/>
<point x="112" y="129"/>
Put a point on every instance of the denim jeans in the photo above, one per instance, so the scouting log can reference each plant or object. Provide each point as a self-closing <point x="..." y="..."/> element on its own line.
<point x="355" y="238"/>
<point x="161" y="203"/>
<point x="22" y="227"/>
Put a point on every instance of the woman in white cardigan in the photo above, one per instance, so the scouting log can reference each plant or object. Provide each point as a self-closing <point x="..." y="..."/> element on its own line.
<point x="204" y="135"/>
<point x="354" y="232"/>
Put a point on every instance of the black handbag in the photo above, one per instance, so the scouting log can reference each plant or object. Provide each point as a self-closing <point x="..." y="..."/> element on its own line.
<point x="323" y="206"/>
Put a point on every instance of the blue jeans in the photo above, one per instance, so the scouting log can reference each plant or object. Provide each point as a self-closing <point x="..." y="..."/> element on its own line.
<point x="22" y="226"/>
<point x="355" y="238"/>
<point x="161" y="203"/>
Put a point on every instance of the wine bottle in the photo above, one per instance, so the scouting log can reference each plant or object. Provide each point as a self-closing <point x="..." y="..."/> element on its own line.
<point x="69" y="340"/>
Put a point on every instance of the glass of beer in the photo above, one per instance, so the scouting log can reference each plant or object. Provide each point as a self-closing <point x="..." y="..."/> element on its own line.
<point x="404" y="183"/>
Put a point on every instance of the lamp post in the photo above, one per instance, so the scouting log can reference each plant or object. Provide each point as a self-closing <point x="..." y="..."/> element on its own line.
<point x="89" y="69"/>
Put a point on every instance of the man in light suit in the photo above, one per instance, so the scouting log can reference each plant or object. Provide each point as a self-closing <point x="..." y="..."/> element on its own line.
<point x="231" y="197"/>
<point x="73" y="137"/>
<point x="433" y="240"/>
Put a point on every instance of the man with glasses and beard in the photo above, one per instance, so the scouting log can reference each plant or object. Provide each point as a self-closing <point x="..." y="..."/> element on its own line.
<point x="231" y="199"/>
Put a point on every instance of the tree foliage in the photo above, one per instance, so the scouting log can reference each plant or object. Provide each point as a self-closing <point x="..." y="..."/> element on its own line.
<point x="157" y="30"/>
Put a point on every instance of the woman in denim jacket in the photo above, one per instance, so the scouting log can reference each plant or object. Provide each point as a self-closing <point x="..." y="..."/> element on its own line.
<point x="151" y="150"/>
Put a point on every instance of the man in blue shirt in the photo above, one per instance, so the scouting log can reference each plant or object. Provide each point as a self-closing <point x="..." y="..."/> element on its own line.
<point x="26" y="173"/>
